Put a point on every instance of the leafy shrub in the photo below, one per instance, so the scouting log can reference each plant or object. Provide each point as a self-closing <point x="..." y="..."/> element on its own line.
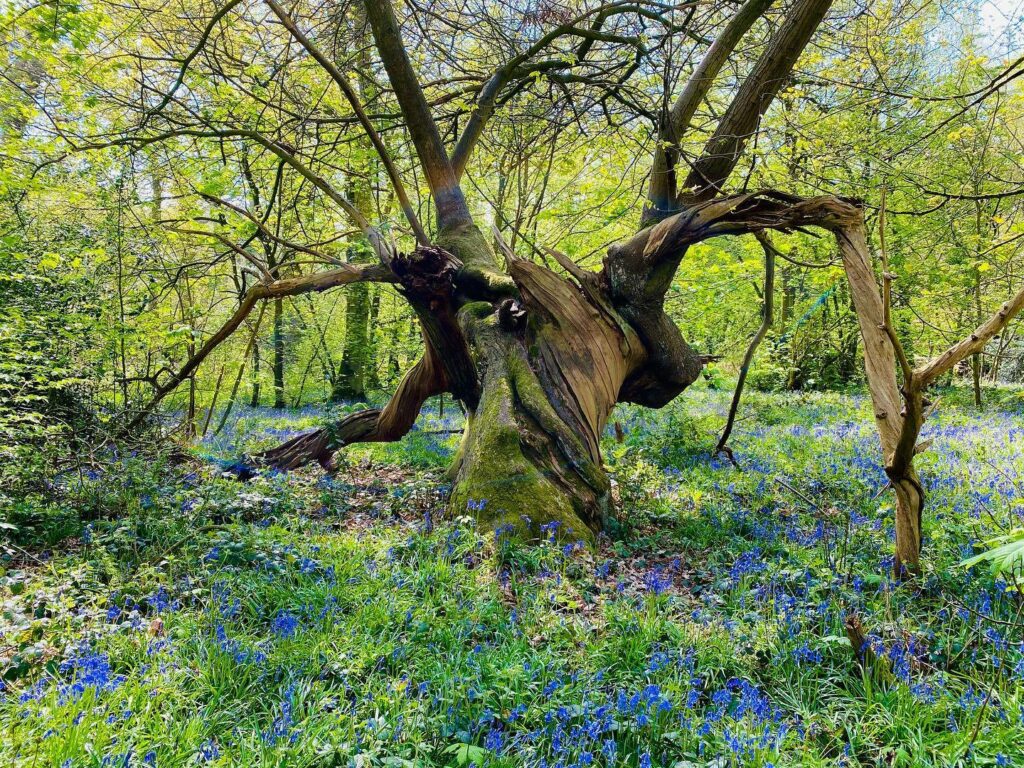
<point x="767" y="376"/>
<point x="43" y="384"/>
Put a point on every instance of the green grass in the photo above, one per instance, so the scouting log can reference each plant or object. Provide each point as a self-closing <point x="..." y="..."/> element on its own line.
<point x="299" y="621"/>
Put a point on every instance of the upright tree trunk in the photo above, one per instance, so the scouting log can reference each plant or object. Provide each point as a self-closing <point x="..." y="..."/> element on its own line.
<point x="351" y="379"/>
<point x="538" y="377"/>
<point x="279" y="399"/>
<point x="372" y="368"/>
<point x="190" y="417"/>
<point x="788" y="298"/>
<point x="887" y="400"/>
<point x="976" y="358"/>
<point x="357" y="356"/>
<point x="254" y="399"/>
<point x="976" y="378"/>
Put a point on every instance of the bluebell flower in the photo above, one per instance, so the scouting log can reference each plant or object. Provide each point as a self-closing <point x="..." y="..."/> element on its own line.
<point x="285" y="624"/>
<point x="89" y="670"/>
<point x="658" y="581"/>
<point x="806" y="653"/>
<point x="494" y="740"/>
<point x="208" y="751"/>
<point x="161" y="601"/>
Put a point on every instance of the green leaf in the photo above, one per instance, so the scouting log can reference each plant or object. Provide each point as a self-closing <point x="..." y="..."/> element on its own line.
<point x="466" y="753"/>
<point x="1007" y="557"/>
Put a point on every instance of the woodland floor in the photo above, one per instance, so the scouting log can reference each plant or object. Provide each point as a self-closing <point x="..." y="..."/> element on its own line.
<point x="173" y="616"/>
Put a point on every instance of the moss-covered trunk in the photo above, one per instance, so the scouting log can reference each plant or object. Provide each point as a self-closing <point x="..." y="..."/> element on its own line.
<point x="519" y="463"/>
<point x="350" y="383"/>
<point x="537" y="362"/>
<point x="551" y="365"/>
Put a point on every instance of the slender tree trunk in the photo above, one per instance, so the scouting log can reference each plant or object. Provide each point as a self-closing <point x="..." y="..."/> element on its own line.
<point x="350" y="382"/>
<point x="895" y="424"/>
<point x="788" y="298"/>
<point x="372" y="374"/>
<point x="213" y="403"/>
<point x="121" y="329"/>
<point x="190" y="417"/>
<point x="976" y="358"/>
<point x="279" y="400"/>
<point x="254" y="400"/>
<point x="976" y="378"/>
<point x="357" y="356"/>
<point x="238" y="376"/>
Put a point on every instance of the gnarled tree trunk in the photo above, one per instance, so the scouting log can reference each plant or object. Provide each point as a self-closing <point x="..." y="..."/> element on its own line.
<point x="539" y="360"/>
<point x="552" y="364"/>
<point x="540" y="374"/>
<point x="536" y="359"/>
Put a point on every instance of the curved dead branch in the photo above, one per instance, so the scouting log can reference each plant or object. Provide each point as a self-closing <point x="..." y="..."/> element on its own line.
<point x="373" y="425"/>
<point x="640" y="270"/>
<point x="767" y="310"/>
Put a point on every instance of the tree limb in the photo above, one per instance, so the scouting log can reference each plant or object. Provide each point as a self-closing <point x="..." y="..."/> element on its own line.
<point x="285" y="153"/>
<point x="424" y="380"/>
<point x="710" y="171"/>
<point x="214" y="21"/>
<point x="661" y="193"/>
<point x="292" y="286"/>
<point x="519" y="67"/>
<point x="265" y="232"/>
<point x="449" y="201"/>
<point x="357" y="107"/>
<point x="973" y="343"/>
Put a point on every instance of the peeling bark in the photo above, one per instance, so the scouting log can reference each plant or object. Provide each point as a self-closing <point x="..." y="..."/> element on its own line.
<point x="886" y="398"/>
<point x="551" y="373"/>
<point x="538" y="376"/>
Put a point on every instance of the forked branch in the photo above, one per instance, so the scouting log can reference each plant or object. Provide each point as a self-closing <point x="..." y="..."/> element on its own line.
<point x="662" y="190"/>
<point x="448" y="198"/>
<point x="710" y="172"/>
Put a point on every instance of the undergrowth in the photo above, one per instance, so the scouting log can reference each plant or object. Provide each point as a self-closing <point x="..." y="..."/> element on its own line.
<point x="170" y="615"/>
